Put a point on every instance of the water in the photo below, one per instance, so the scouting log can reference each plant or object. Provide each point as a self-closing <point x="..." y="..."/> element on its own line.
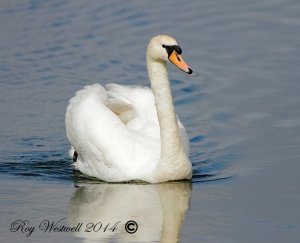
<point x="241" y="113"/>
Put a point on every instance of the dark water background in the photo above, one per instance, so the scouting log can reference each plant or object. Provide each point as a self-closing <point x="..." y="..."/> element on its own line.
<point x="242" y="113"/>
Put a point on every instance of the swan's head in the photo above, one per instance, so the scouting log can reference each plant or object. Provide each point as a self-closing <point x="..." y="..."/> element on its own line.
<point x="164" y="48"/>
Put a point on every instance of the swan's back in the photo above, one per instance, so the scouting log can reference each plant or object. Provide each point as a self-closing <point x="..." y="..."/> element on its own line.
<point x="135" y="106"/>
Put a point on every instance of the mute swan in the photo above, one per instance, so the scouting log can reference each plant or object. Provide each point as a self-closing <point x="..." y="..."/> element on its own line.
<point x="122" y="133"/>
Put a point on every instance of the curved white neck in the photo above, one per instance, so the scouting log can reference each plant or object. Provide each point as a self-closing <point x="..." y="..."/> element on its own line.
<point x="171" y="145"/>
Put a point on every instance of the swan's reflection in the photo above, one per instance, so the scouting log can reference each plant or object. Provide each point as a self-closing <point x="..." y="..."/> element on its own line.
<point x="158" y="209"/>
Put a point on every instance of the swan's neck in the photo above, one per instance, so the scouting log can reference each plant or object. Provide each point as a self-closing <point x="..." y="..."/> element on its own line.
<point x="171" y="145"/>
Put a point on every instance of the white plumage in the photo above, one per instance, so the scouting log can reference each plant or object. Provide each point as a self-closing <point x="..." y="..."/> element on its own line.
<point x="117" y="130"/>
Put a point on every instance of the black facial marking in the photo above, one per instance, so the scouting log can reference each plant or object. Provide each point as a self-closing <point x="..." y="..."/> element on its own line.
<point x="75" y="155"/>
<point x="178" y="49"/>
<point x="170" y="49"/>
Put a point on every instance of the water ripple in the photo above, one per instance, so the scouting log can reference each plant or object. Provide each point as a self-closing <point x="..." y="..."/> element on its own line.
<point x="247" y="55"/>
<point x="49" y="165"/>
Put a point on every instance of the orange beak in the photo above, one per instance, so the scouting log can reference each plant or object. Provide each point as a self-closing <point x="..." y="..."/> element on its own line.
<point x="179" y="62"/>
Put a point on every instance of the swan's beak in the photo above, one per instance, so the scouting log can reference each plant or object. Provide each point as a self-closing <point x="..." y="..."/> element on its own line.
<point x="179" y="62"/>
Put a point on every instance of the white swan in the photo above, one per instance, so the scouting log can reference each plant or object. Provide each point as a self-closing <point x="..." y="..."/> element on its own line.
<point x="122" y="133"/>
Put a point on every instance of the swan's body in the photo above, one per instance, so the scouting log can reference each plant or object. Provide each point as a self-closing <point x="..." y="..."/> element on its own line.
<point x="123" y="133"/>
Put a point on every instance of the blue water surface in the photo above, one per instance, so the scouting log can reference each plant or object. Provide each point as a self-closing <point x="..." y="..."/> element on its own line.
<point x="241" y="112"/>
